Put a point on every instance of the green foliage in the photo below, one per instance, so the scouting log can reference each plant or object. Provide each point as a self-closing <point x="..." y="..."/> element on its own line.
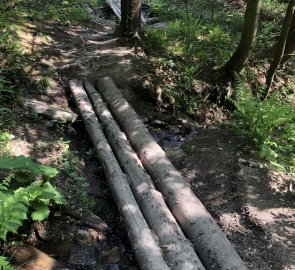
<point x="64" y="12"/>
<point x="26" y="164"/>
<point x="11" y="63"/>
<point x="70" y="165"/>
<point x="44" y="83"/>
<point x="164" y="9"/>
<point x="5" y="138"/>
<point x="97" y="3"/>
<point x="4" y="264"/>
<point x="269" y="124"/>
<point x="23" y="194"/>
<point x="192" y="40"/>
<point x="274" y="7"/>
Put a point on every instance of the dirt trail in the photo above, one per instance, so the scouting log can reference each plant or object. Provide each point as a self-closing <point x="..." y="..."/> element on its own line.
<point x="248" y="201"/>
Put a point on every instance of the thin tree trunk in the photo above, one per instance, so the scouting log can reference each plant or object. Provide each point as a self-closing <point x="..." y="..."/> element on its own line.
<point x="130" y="23"/>
<point x="178" y="250"/>
<point x="290" y="44"/>
<point x="144" y="245"/>
<point x="210" y="243"/>
<point x="280" y="48"/>
<point x="242" y="53"/>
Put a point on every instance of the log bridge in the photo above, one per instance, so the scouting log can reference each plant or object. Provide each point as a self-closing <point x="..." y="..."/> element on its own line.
<point x="168" y="226"/>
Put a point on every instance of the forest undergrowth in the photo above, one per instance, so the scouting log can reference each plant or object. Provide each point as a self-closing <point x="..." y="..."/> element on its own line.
<point x="26" y="192"/>
<point x="189" y="54"/>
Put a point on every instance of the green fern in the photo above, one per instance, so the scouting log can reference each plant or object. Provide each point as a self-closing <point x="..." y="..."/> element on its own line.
<point x="4" y="264"/>
<point x="15" y="205"/>
<point x="268" y="124"/>
<point x="16" y="202"/>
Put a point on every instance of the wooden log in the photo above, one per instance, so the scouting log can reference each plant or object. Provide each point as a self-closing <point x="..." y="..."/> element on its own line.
<point x="49" y="111"/>
<point x="210" y="243"/>
<point x="144" y="245"/>
<point x="30" y="258"/>
<point x="178" y="250"/>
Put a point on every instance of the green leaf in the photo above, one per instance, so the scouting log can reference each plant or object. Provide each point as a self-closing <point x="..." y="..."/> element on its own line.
<point x="26" y="163"/>
<point x="6" y="136"/>
<point x="4" y="264"/>
<point x="41" y="211"/>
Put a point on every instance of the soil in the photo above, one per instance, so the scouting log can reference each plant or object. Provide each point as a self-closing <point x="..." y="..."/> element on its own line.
<point x="249" y="200"/>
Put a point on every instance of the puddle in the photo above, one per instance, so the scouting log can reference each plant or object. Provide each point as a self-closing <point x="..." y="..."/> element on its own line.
<point x="166" y="137"/>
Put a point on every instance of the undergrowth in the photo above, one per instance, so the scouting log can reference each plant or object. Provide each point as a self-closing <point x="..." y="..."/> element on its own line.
<point x="70" y="165"/>
<point x="193" y="44"/>
<point x="4" y="264"/>
<point x="25" y="186"/>
<point x="196" y="43"/>
<point x="269" y="125"/>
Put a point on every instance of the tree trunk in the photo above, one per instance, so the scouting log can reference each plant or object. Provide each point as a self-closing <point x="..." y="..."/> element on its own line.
<point x="242" y="53"/>
<point x="210" y="243"/>
<point x="130" y="23"/>
<point x="280" y="48"/>
<point x="290" y="44"/>
<point x="144" y="245"/>
<point x="178" y="250"/>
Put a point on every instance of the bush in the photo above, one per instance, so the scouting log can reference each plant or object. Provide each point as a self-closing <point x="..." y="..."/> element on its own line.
<point x="25" y="187"/>
<point x="269" y="125"/>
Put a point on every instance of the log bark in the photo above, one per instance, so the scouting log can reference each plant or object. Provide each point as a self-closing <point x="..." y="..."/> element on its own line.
<point x="177" y="250"/>
<point x="49" y="111"/>
<point x="145" y="247"/>
<point x="211" y="245"/>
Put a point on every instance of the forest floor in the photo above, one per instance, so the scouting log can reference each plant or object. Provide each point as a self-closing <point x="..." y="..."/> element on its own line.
<point x="249" y="200"/>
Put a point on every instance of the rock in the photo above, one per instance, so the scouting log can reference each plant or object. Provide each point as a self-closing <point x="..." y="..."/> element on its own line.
<point x="30" y="258"/>
<point x="96" y="236"/>
<point x="114" y="267"/>
<point x="174" y="129"/>
<point x="175" y="154"/>
<point x="188" y="124"/>
<point x="90" y="219"/>
<point x="158" y="123"/>
<point x="112" y="256"/>
<point x="83" y="238"/>
<point x="58" y="247"/>
<point x="83" y="257"/>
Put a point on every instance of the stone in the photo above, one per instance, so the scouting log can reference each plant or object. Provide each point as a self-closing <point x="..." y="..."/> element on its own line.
<point x="112" y="256"/>
<point x="174" y="153"/>
<point x="83" y="257"/>
<point x="83" y="238"/>
<point x="158" y="123"/>
<point x="174" y="130"/>
<point x="96" y="236"/>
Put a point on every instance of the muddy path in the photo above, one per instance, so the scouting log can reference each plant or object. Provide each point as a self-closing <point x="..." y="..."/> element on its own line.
<point x="249" y="201"/>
